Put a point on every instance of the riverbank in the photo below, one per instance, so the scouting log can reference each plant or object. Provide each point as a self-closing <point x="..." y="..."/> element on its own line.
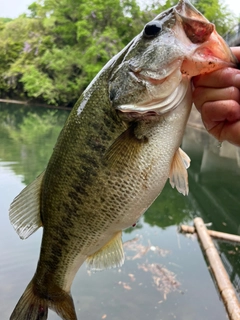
<point x="34" y="104"/>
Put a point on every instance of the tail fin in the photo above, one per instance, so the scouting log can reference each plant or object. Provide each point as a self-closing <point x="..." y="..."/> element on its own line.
<point x="33" y="307"/>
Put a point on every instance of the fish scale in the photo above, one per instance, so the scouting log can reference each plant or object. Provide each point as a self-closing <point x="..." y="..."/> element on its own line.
<point x="143" y="173"/>
<point x="114" y="155"/>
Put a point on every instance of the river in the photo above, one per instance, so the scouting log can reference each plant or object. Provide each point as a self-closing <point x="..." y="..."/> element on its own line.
<point x="165" y="275"/>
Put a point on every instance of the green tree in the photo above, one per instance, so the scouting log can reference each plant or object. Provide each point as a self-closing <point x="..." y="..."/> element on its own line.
<point x="51" y="54"/>
<point x="16" y="49"/>
<point x="218" y="13"/>
<point x="61" y="46"/>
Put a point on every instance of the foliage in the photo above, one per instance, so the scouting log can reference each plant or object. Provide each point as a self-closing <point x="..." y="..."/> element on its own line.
<point x="51" y="54"/>
<point x="3" y="21"/>
<point x="216" y="12"/>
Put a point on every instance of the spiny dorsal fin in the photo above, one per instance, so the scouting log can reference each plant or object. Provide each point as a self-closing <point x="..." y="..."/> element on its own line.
<point x="24" y="212"/>
<point x="109" y="256"/>
<point x="178" y="173"/>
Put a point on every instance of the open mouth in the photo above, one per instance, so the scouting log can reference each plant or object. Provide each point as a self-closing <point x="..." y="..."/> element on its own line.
<point x="164" y="94"/>
<point x="138" y="116"/>
<point x="143" y="76"/>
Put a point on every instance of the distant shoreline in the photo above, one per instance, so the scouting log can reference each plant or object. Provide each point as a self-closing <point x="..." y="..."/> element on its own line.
<point x="193" y="121"/>
<point x="27" y="103"/>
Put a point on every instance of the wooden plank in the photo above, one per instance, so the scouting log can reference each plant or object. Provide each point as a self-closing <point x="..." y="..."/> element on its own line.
<point x="212" y="233"/>
<point x="224" y="284"/>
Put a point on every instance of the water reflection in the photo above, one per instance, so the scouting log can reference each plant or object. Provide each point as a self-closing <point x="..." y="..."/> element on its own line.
<point x="214" y="179"/>
<point x="27" y="137"/>
<point x="215" y="183"/>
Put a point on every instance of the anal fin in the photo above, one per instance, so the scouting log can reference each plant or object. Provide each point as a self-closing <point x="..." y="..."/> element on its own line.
<point x="178" y="176"/>
<point x="109" y="256"/>
<point x="24" y="212"/>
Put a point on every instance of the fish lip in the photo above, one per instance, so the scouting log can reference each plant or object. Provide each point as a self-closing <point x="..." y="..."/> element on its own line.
<point x="205" y="60"/>
<point x="159" y="75"/>
<point x="160" y="106"/>
<point x="142" y="77"/>
<point x="135" y="116"/>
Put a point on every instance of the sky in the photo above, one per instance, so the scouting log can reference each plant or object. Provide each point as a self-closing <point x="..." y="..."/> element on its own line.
<point x="13" y="8"/>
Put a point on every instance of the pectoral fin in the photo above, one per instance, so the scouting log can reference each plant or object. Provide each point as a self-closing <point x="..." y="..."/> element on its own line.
<point x="125" y="148"/>
<point x="24" y="212"/>
<point x="178" y="176"/>
<point x="109" y="256"/>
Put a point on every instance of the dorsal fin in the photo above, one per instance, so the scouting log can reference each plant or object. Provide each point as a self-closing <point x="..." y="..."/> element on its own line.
<point x="24" y="212"/>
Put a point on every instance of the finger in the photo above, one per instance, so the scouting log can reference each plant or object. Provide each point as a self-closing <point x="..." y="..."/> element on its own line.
<point x="225" y="111"/>
<point x="225" y="77"/>
<point x="202" y="95"/>
<point x="231" y="132"/>
<point x="227" y="131"/>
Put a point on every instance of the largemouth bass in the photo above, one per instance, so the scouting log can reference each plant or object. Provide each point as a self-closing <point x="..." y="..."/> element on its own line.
<point x="114" y="155"/>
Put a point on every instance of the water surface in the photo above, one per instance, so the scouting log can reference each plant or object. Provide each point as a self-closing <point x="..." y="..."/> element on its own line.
<point x="165" y="275"/>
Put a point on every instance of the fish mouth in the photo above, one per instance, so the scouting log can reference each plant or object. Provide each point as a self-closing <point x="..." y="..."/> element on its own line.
<point x="171" y="91"/>
<point x="152" y="80"/>
<point x="157" y="76"/>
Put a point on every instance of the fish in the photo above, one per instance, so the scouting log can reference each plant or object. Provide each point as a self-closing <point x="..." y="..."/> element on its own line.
<point x="118" y="147"/>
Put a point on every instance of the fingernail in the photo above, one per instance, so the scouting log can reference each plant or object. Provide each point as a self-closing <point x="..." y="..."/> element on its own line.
<point x="237" y="80"/>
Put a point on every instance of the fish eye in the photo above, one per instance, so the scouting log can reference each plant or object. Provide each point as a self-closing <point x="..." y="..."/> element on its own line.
<point x="152" y="29"/>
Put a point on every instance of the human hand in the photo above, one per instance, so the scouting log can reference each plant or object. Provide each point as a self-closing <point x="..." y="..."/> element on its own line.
<point x="217" y="98"/>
